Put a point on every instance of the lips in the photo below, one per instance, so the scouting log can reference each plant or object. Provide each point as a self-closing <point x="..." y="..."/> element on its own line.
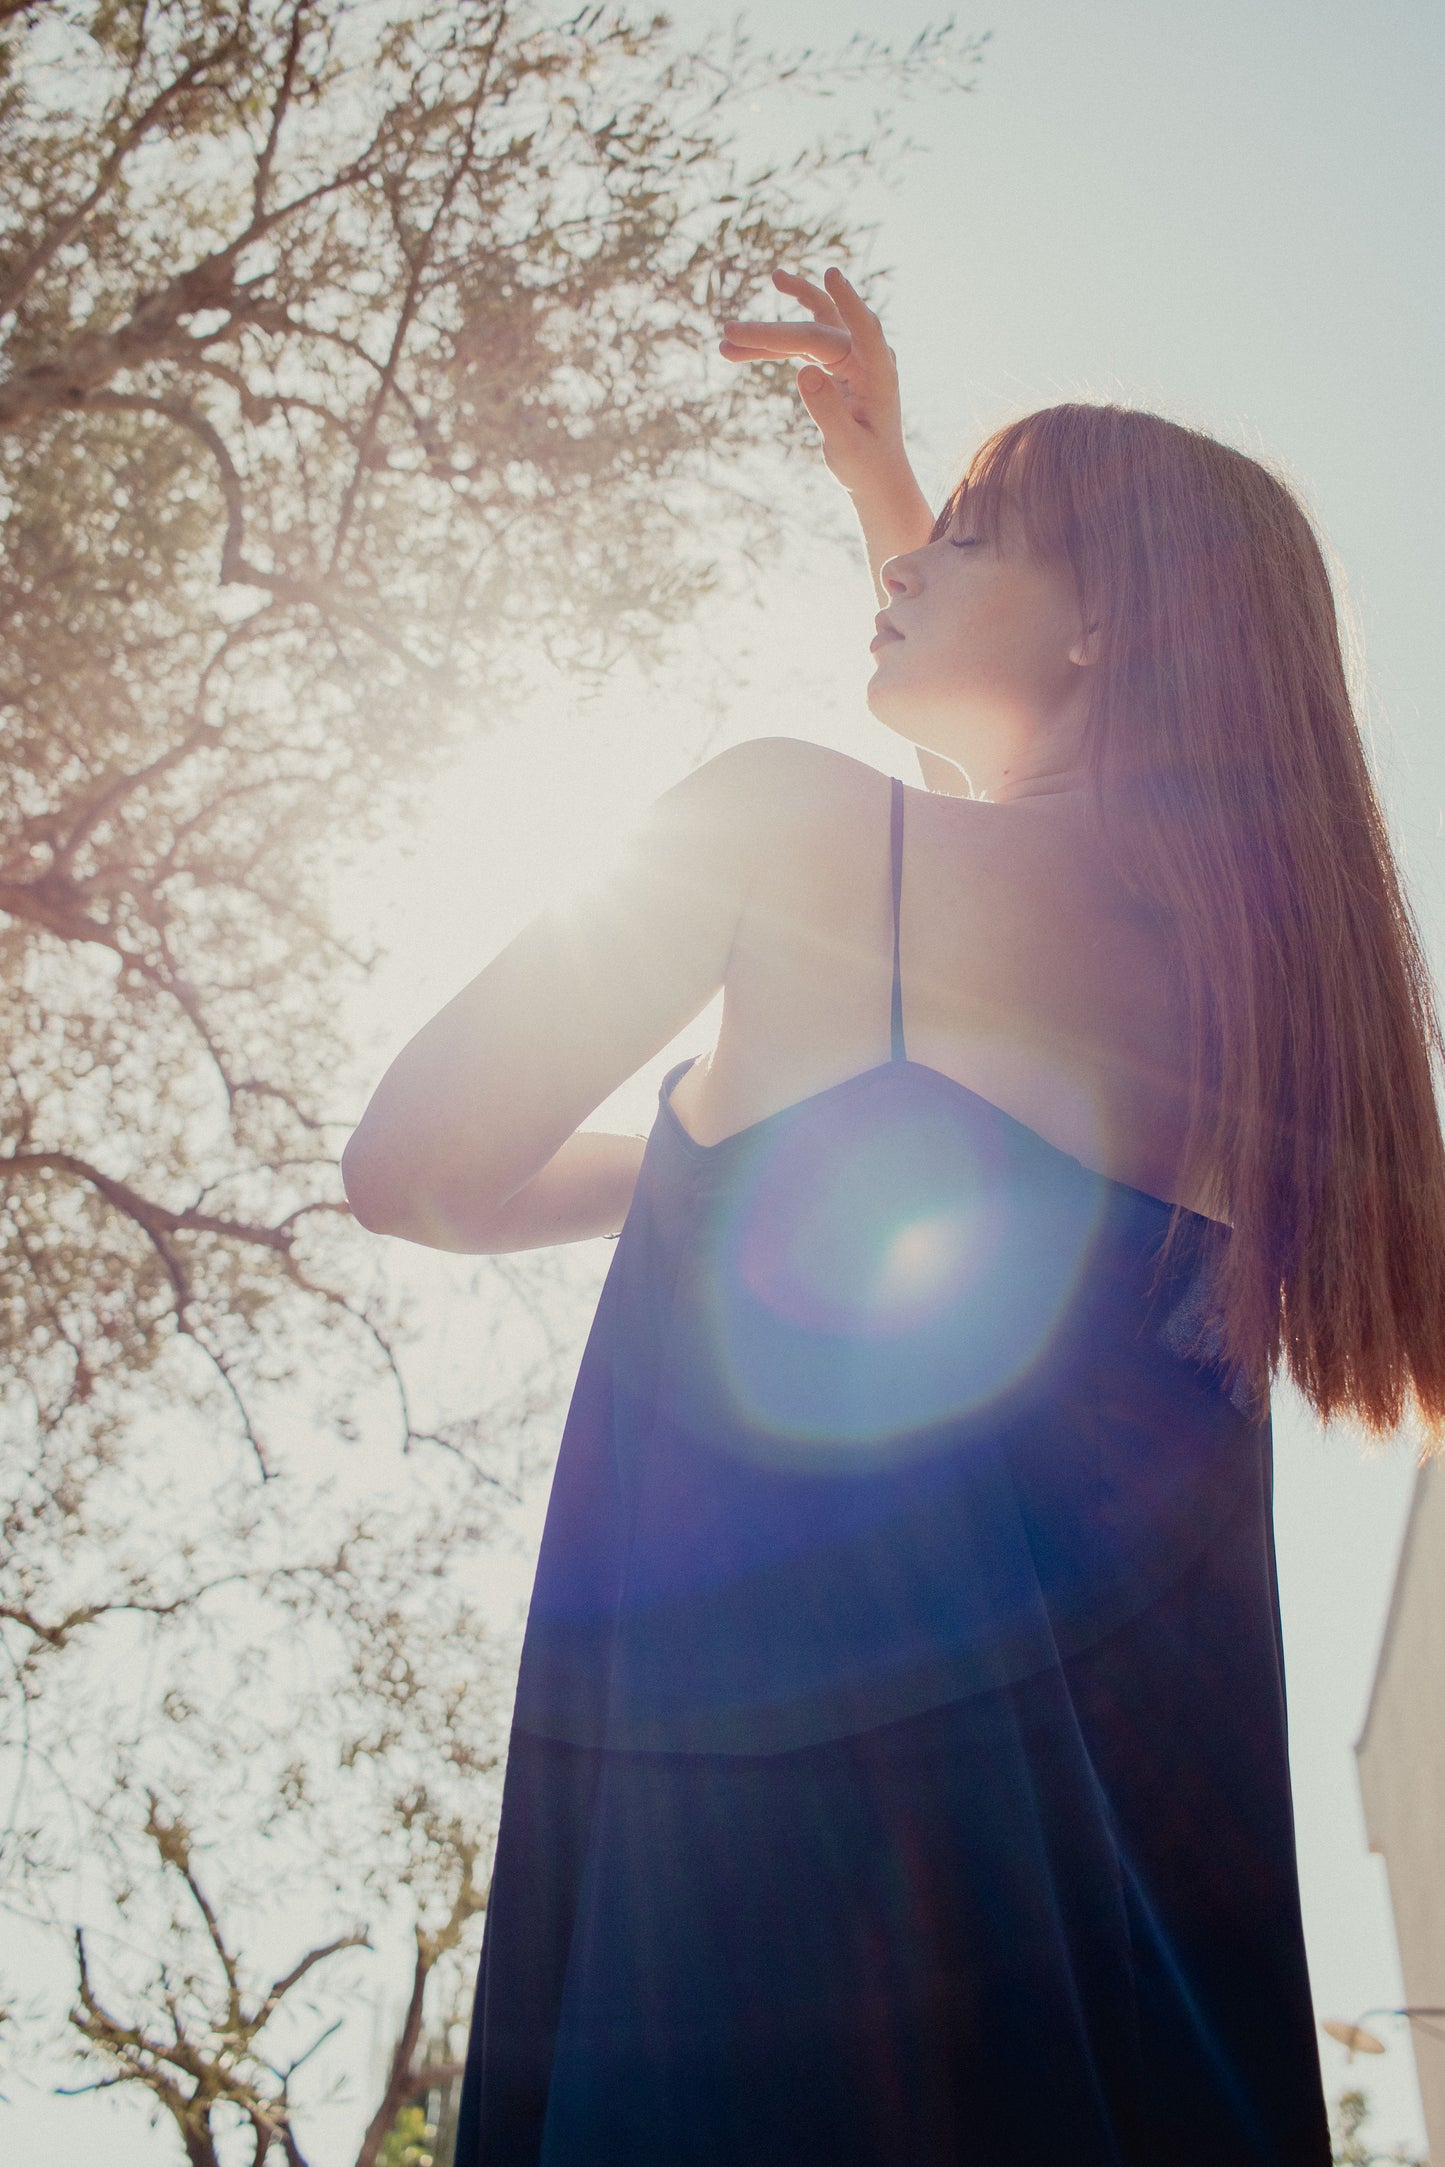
<point x="885" y="633"/>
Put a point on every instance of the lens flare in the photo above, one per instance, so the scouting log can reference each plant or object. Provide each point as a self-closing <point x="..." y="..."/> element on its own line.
<point x="921" y="1256"/>
<point x="876" y="1274"/>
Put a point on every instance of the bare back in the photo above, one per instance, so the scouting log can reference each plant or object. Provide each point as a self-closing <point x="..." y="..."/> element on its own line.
<point x="1028" y="974"/>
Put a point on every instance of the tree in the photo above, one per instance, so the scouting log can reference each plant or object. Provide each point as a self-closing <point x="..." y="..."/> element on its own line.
<point x="341" y="343"/>
<point x="1349" y="2146"/>
<point x="425" y="2134"/>
<point x="305" y="1786"/>
<point x="408" y="2143"/>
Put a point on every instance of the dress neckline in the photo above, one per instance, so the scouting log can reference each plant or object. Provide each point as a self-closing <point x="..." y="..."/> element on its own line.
<point x="900" y="1059"/>
<point x="901" y="1062"/>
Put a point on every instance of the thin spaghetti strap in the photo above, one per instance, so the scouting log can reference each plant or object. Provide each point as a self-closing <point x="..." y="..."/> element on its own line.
<point x="898" y="1053"/>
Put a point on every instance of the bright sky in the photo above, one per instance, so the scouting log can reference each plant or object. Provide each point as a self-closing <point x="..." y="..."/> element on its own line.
<point x="1232" y="215"/>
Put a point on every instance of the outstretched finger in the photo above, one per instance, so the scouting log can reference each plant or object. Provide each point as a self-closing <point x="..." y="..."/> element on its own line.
<point x="822" y="304"/>
<point x="853" y="310"/>
<point x="732" y="351"/>
<point x="829" y="344"/>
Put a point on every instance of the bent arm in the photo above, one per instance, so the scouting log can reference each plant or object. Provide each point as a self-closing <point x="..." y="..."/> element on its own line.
<point x="473" y="1139"/>
<point x="583" y="1192"/>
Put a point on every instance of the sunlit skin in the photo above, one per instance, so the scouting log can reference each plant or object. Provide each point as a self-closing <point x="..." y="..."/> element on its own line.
<point x="982" y="657"/>
<point x="474" y="1139"/>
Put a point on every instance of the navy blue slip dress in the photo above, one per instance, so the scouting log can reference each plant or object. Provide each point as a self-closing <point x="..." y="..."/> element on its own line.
<point x="897" y="1773"/>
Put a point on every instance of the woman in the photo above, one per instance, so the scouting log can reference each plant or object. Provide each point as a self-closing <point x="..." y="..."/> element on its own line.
<point x="898" y="1768"/>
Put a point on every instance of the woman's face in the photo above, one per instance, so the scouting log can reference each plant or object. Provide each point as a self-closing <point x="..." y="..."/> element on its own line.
<point x="981" y="656"/>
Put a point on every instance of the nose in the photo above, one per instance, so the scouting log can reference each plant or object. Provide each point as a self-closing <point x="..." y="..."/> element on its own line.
<point x="900" y="575"/>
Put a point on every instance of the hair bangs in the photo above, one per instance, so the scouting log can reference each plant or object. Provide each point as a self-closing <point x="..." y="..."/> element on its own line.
<point x="1019" y="481"/>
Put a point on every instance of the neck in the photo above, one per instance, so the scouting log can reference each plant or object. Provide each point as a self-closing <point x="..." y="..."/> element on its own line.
<point x="1038" y="790"/>
<point x="1045" y="761"/>
<point x="1065" y="781"/>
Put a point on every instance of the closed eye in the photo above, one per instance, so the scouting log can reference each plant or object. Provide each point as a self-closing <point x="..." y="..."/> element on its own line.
<point x="963" y="541"/>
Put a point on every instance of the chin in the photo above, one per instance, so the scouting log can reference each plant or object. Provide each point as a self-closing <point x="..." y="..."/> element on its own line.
<point x="919" y="723"/>
<point x="888" y="703"/>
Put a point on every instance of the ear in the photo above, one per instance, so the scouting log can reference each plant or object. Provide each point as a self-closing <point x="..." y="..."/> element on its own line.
<point x="1085" y="650"/>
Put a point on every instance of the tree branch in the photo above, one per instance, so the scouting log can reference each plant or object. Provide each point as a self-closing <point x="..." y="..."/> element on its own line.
<point x="279" y="106"/>
<point x="271" y="2001"/>
<point x="315" y="592"/>
<point x="398" y="2083"/>
<point x="120" y="787"/>
<point x="69" y="224"/>
<point x="152" y="332"/>
<point x="172" y="1840"/>
<point x="154" y="1219"/>
<point x="417" y="267"/>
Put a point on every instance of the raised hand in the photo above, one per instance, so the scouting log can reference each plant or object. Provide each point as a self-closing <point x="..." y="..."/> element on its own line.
<point x="849" y="383"/>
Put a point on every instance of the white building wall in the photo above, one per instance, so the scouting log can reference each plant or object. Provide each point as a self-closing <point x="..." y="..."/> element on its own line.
<point x="1401" y="1761"/>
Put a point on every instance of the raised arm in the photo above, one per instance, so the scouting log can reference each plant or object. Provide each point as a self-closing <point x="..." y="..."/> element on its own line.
<point x="472" y="1139"/>
<point x="849" y="385"/>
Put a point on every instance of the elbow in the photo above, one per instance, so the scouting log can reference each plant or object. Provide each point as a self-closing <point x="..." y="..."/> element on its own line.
<point x="386" y="1199"/>
<point x="372" y="1199"/>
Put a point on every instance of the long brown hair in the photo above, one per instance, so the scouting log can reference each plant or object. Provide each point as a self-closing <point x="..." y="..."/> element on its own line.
<point x="1231" y="785"/>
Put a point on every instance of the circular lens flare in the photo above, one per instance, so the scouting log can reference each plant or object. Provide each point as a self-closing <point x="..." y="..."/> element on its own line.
<point x="921" y="1259"/>
<point x="878" y="1274"/>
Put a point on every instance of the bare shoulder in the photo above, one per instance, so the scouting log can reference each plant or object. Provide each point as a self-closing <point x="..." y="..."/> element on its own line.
<point x="792" y="779"/>
<point x="821" y="797"/>
<point x="819" y="808"/>
<point x="820" y="817"/>
<point x="797" y="810"/>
